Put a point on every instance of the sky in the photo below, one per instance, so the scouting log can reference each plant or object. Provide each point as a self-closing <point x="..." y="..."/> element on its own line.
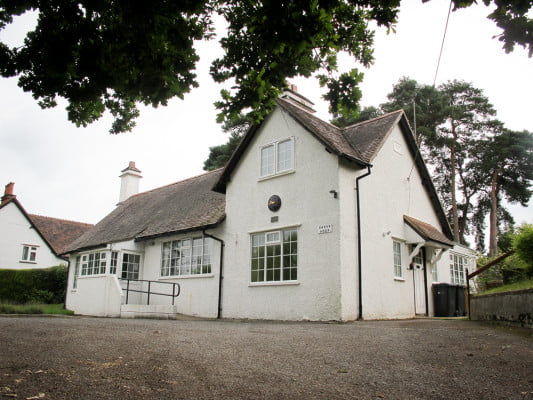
<point x="72" y="173"/>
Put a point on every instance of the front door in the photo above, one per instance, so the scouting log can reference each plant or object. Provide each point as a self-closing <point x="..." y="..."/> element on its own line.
<point x="419" y="283"/>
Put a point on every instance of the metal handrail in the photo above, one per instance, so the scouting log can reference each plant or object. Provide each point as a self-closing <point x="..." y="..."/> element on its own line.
<point x="149" y="292"/>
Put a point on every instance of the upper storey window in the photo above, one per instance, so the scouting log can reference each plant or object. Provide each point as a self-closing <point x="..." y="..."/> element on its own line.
<point x="277" y="157"/>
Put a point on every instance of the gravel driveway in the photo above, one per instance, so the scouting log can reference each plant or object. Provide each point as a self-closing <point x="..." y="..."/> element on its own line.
<point x="93" y="358"/>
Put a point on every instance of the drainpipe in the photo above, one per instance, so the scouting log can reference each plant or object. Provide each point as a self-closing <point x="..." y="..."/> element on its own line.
<point x="360" y="263"/>
<point x="220" y="277"/>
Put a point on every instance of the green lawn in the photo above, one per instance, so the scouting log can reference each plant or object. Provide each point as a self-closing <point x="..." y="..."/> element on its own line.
<point x="8" y="308"/>
<point x="527" y="284"/>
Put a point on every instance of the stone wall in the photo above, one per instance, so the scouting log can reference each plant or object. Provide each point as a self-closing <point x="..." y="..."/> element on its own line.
<point x="514" y="308"/>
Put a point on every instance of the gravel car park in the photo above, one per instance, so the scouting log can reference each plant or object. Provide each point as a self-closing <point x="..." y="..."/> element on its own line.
<point x="97" y="358"/>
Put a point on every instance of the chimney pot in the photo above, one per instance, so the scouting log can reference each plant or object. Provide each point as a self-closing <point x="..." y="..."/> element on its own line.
<point x="8" y="193"/>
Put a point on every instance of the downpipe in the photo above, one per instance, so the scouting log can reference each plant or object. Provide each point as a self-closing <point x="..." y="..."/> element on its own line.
<point x="359" y="242"/>
<point x="221" y="271"/>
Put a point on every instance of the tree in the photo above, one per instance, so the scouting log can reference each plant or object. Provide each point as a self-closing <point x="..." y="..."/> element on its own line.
<point x="422" y="101"/>
<point x="220" y="155"/>
<point x="364" y="115"/>
<point x="503" y="164"/>
<point x="111" y="55"/>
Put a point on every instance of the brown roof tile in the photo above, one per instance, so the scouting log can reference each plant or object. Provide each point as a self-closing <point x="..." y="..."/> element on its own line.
<point x="59" y="232"/>
<point x="427" y="231"/>
<point x="182" y="206"/>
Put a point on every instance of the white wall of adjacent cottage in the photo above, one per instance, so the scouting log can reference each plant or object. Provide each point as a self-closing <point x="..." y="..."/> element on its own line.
<point x="16" y="231"/>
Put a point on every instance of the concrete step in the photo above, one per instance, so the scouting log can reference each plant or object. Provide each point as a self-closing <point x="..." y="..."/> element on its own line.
<point x="150" y="311"/>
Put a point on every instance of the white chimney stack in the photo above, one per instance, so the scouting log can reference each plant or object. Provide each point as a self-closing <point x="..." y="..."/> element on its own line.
<point x="291" y="94"/>
<point x="129" y="182"/>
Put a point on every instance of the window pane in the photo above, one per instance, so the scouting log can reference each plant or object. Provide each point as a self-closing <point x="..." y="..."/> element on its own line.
<point x="25" y="250"/>
<point x="284" y="155"/>
<point x="267" y="160"/>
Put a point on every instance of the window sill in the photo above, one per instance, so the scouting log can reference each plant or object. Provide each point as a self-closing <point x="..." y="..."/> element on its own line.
<point x="267" y="177"/>
<point x="164" y="278"/>
<point x="399" y="279"/>
<point x="27" y="262"/>
<point x="274" y="283"/>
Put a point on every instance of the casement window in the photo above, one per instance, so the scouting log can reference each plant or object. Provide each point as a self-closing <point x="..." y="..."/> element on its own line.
<point x="397" y="253"/>
<point x="435" y="273"/>
<point x="29" y="253"/>
<point x="130" y="266"/>
<point x="93" y="263"/>
<point x="183" y="257"/>
<point x="114" y="262"/>
<point x="458" y="264"/>
<point x="277" y="157"/>
<point x="274" y="256"/>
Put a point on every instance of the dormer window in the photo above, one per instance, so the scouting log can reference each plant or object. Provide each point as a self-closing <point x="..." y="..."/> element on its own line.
<point x="277" y="157"/>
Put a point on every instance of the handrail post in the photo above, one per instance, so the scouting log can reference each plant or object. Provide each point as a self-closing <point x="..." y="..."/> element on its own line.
<point x="148" y="299"/>
<point x="127" y="290"/>
<point x="173" y="292"/>
<point x="468" y="295"/>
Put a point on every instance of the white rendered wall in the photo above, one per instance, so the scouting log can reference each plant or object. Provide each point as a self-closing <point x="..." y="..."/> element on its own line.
<point x="306" y="204"/>
<point x="15" y="231"/>
<point x="199" y="293"/>
<point x="394" y="189"/>
<point x="98" y="295"/>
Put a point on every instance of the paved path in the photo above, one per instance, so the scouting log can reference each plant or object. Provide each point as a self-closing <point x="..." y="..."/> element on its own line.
<point x="92" y="358"/>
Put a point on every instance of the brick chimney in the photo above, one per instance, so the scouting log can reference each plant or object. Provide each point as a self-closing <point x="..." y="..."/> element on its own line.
<point x="291" y="94"/>
<point x="8" y="193"/>
<point x="129" y="182"/>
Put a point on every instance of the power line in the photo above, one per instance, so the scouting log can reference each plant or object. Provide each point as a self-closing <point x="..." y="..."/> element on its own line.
<point x="442" y="44"/>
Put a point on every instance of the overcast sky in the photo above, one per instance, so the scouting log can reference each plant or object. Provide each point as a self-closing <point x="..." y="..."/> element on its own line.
<point x="67" y="172"/>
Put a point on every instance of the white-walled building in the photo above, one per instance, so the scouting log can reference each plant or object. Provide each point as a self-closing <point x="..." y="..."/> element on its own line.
<point x="33" y="241"/>
<point x="306" y="222"/>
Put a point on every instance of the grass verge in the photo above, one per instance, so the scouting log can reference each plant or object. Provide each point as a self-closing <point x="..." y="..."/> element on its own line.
<point x="7" y="308"/>
<point x="511" y="287"/>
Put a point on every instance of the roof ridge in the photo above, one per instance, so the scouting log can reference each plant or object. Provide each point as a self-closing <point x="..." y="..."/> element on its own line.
<point x="175" y="183"/>
<point x="373" y="119"/>
<point x="61" y="219"/>
<point x="311" y="114"/>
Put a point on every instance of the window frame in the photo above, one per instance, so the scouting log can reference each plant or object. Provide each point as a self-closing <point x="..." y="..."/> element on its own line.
<point x="190" y="264"/>
<point x="29" y="253"/>
<point x="93" y="264"/>
<point x="263" y="251"/>
<point x="397" y="256"/>
<point x="139" y="265"/>
<point x="458" y="265"/>
<point x="275" y="167"/>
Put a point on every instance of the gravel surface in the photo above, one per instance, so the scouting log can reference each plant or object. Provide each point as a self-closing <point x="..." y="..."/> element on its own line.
<point x="93" y="358"/>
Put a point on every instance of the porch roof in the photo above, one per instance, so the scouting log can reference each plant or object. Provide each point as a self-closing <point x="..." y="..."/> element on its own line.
<point x="427" y="231"/>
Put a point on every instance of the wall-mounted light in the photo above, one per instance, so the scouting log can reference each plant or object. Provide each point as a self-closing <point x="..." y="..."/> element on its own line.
<point x="335" y="194"/>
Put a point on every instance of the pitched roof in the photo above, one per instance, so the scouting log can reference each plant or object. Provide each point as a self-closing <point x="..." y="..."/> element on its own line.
<point x="59" y="232"/>
<point x="180" y="207"/>
<point x="359" y="143"/>
<point x="427" y="231"/>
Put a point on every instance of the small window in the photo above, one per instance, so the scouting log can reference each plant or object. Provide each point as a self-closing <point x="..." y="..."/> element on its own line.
<point x="130" y="266"/>
<point x="277" y="157"/>
<point x="114" y="262"/>
<point x="397" y="251"/>
<point x="29" y="253"/>
<point x="458" y="264"/>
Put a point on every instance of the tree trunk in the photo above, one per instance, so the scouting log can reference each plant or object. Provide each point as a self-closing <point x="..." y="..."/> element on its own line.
<point x="493" y="217"/>
<point x="455" y="214"/>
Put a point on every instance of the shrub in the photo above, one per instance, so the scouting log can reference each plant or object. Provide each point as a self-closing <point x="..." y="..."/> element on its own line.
<point x="33" y="285"/>
<point x="523" y="245"/>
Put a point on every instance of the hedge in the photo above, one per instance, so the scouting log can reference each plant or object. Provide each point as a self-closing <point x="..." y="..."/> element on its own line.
<point x="45" y="285"/>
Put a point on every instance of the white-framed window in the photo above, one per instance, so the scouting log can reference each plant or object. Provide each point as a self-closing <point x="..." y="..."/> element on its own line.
<point x="397" y="258"/>
<point x="458" y="263"/>
<point x="130" y="266"/>
<point x="274" y="256"/>
<point x="113" y="263"/>
<point x="191" y="256"/>
<point x="277" y="157"/>
<point x="435" y="273"/>
<point x="29" y="253"/>
<point x="93" y="263"/>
